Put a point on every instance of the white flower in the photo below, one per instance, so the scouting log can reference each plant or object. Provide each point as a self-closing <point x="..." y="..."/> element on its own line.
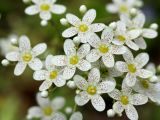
<point x="125" y="101"/>
<point x="103" y="48"/>
<point x="76" y="116"/>
<point x="134" y="67"/>
<point x="148" y="88"/>
<point x="45" y="8"/>
<point x="125" y="36"/>
<point x="83" y="28"/>
<point x="47" y="110"/>
<point x="93" y="88"/>
<point x="121" y="6"/>
<point x="51" y="75"/>
<point x="73" y="59"/>
<point x="25" y="55"/>
<point x="137" y="24"/>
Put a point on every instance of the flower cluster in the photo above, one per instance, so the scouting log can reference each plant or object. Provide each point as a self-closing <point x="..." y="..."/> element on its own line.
<point x="91" y="63"/>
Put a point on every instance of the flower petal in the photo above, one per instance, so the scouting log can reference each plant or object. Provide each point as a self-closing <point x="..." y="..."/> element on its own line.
<point x="115" y="94"/>
<point x="32" y="10"/>
<point x="59" y="60"/>
<point x="132" y="45"/>
<point x="141" y="43"/>
<point x="43" y="102"/>
<point x="107" y="85"/>
<point x="108" y="60"/>
<point x="84" y="65"/>
<point x="118" y="107"/>
<point x="83" y="50"/>
<point x="93" y="56"/>
<point x="149" y="33"/>
<point x="58" y="9"/>
<point x="76" y="116"/>
<point x="139" y="99"/>
<point x="74" y="20"/>
<point x="131" y="112"/>
<point x="97" y="27"/>
<point x="98" y="103"/>
<point x="89" y="16"/>
<point x="114" y="72"/>
<point x="128" y="56"/>
<point x="130" y="79"/>
<point x="144" y="73"/>
<point x="94" y="76"/>
<point x="121" y="66"/>
<point x="35" y="112"/>
<point x="69" y="72"/>
<point x="48" y="63"/>
<point x="139" y="20"/>
<point x="58" y="116"/>
<point x="58" y="103"/>
<point x="60" y="81"/>
<point x="45" y="85"/>
<point x="121" y="27"/>
<point x="39" y="49"/>
<point x="40" y="75"/>
<point x="112" y="8"/>
<point x="24" y="43"/>
<point x="142" y="59"/>
<point x="118" y="50"/>
<point x="107" y="35"/>
<point x="19" y="69"/>
<point x="35" y="64"/>
<point x="45" y="15"/>
<point x="69" y="48"/>
<point x="94" y="40"/>
<point x="133" y="34"/>
<point x="82" y="98"/>
<point x="13" y="56"/>
<point x="70" y="32"/>
<point x="80" y="82"/>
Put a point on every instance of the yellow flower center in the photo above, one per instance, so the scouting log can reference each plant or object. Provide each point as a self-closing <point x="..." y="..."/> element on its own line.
<point x="53" y="75"/>
<point x="124" y="100"/>
<point x="121" y="38"/>
<point x="92" y="90"/>
<point x="45" y="7"/>
<point x="74" y="60"/>
<point x="145" y="84"/>
<point x="123" y="8"/>
<point x="27" y="57"/>
<point x="83" y="28"/>
<point x="103" y="48"/>
<point x="132" y="68"/>
<point x="48" y="111"/>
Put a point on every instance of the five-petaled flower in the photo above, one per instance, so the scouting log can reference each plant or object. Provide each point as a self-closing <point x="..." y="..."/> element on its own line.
<point x="45" y="8"/>
<point x="125" y="101"/>
<point x="83" y="28"/>
<point x="134" y="67"/>
<point x="51" y="75"/>
<point x="25" y="55"/>
<point x="73" y="59"/>
<point x="93" y="88"/>
<point x="104" y="48"/>
<point x="47" y="110"/>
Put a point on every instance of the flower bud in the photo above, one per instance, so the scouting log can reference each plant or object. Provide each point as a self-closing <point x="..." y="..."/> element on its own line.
<point x="68" y="110"/>
<point x="5" y="62"/>
<point x="154" y="26"/>
<point x="113" y="25"/>
<point x="64" y="21"/>
<point x="83" y="9"/>
<point x="44" y="23"/>
<point x="71" y="84"/>
<point x="44" y="94"/>
<point x="111" y="113"/>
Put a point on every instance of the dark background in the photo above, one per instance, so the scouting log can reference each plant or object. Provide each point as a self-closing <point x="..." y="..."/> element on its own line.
<point x="17" y="94"/>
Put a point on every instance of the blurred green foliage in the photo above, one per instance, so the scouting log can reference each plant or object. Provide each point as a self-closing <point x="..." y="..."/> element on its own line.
<point x="17" y="94"/>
